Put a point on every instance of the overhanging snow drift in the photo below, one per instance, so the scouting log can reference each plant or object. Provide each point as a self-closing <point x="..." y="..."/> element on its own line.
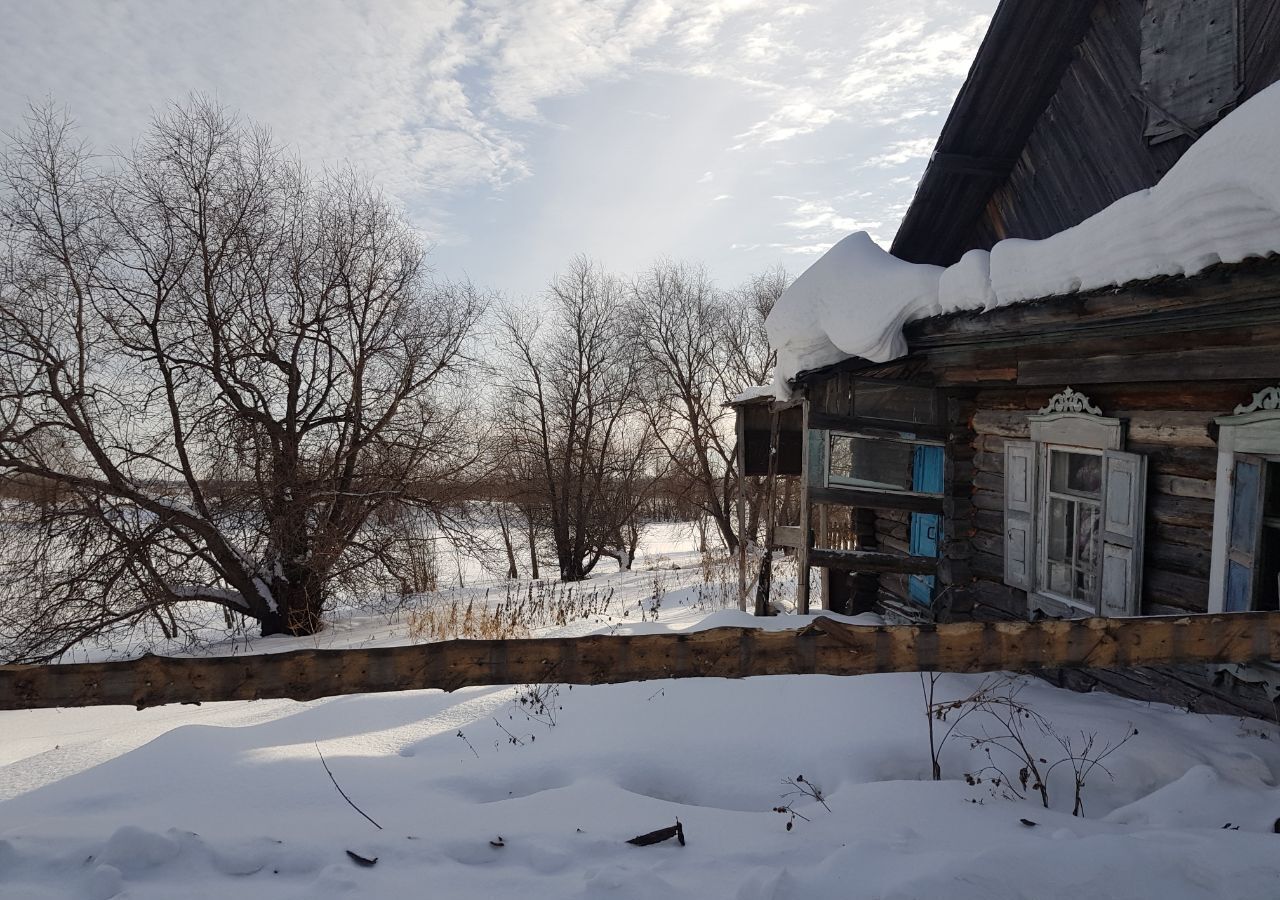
<point x="1219" y="203"/>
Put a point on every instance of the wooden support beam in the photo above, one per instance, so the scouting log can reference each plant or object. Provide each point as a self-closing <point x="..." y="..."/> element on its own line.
<point x="824" y="647"/>
<point x="841" y="496"/>
<point x="871" y="561"/>
<point x="832" y="422"/>
<point x="744" y="542"/>
<point x="806" y="479"/>
<point x="965" y="164"/>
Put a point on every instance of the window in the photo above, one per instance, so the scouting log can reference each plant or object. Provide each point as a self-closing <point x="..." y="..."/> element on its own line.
<point x="1245" y="569"/>
<point x="1074" y="508"/>
<point x="895" y="402"/>
<point x="877" y="463"/>
<point x="1074" y="498"/>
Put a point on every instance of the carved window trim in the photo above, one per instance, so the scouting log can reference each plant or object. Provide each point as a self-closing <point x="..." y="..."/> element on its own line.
<point x="1070" y="419"/>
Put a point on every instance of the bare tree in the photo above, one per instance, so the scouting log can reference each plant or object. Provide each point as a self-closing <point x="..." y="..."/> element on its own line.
<point x="750" y="358"/>
<point x="230" y="369"/>
<point x="569" y="389"/>
<point x="700" y="347"/>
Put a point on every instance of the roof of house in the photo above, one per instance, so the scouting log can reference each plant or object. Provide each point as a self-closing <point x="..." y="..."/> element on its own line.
<point x="1014" y="76"/>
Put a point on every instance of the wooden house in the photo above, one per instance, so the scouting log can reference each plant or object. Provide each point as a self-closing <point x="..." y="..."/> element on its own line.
<point x="1112" y="451"/>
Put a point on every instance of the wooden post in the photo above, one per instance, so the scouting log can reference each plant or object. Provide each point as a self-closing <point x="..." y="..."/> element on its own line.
<point x="824" y="647"/>
<point x="802" y="555"/>
<point x="771" y="514"/>
<point x="740" y="456"/>
<point x="824" y="589"/>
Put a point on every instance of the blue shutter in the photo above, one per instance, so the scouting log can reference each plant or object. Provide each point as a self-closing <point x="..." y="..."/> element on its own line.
<point x="926" y="528"/>
<point x="1243" y="533"/>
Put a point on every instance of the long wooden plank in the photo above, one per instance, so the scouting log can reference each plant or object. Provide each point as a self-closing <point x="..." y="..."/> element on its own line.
<point x="823" y="647"/>
<point x="871" y="561"/>
<point x="841" y="496"/>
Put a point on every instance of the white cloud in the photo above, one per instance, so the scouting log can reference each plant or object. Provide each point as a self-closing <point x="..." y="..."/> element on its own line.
<point x="900" y="152"/>
<point x="450" y="104"/>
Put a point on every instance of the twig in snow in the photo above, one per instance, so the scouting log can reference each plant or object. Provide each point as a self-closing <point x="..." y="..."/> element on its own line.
<point x="468" y="743"/>
<point x="662" y="834"/>
<point x="341" y="791"/>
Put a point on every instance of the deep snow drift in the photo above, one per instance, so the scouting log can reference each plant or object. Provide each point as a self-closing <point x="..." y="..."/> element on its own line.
<point x="1219" y="203"/>
<point x="477" y="798"/>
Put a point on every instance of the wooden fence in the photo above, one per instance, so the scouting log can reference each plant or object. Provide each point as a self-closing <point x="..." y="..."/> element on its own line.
<point x="823" y="647"/>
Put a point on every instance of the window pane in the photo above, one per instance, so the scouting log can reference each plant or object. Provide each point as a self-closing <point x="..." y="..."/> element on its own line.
<point x="872" y="463"/>
<point x="1077" y="473"/>
<point x="1061" y="525"/>
<point x="1087" y="534"/>
<point x="894" y="402"/>
<point x="1071" y="547"/>
<point x="1060" y="579"/>
<point x="1088" y="519"/>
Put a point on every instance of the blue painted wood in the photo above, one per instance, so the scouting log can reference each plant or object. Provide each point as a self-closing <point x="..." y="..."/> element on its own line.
<point x="1243" y="536"/>
<point x="926" y="528"/>
<point x="1239" y="594"/>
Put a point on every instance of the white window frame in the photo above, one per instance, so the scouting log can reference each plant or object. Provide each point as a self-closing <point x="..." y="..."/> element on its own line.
<point x="1071" y="423"/>
<point x="1253" y="429"/>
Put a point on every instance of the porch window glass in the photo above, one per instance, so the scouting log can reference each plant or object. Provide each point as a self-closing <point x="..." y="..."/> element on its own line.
<point x="872" y="463"/>
<point x="894" y="402"/>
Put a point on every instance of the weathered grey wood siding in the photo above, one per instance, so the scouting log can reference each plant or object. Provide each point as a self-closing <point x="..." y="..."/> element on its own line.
<point x="1088" y="147"/>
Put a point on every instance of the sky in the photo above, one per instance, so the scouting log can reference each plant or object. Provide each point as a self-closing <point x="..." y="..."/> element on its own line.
<point x="518" y="133"/>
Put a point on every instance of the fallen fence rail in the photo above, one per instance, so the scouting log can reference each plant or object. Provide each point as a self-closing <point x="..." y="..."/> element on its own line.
<point x="825" y="646"/>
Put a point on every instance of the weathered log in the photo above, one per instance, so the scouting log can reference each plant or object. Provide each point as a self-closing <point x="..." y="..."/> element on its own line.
<point x="823" y="647"/>
<point x="1185" y="512"/>
<point x="1001" y="423"/>
<point x="1178" y="428"/>
<point x="1181" y="486"/>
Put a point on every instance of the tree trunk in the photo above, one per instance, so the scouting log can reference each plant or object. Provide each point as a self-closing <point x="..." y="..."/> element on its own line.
<point x="512" y="572"/>
<point x="533" y="545"/>
<point x="299" y="608"/>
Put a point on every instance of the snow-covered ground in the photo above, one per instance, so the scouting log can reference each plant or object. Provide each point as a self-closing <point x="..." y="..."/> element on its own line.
<point x="480" y="795"/>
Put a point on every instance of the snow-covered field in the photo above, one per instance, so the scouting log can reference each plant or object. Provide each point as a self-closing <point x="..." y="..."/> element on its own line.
<point x="477" y="797"/>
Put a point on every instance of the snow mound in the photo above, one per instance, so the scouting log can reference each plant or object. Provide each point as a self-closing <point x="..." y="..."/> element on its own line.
<point x="852" y="302"/>
<point x="1219" y="203"/>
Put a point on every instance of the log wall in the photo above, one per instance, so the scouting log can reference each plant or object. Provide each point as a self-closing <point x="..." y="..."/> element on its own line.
<point x="1167" y="357"/>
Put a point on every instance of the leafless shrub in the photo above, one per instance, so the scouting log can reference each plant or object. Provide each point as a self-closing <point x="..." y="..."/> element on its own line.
<point x="800" y="787"/>
<point x="1009" y="732"/>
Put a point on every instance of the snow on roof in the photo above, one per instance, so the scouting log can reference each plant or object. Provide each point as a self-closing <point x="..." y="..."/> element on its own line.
<point x="752" y="393"/>
<point x="852" y="302"/>
<point x="1219" y="203"/>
